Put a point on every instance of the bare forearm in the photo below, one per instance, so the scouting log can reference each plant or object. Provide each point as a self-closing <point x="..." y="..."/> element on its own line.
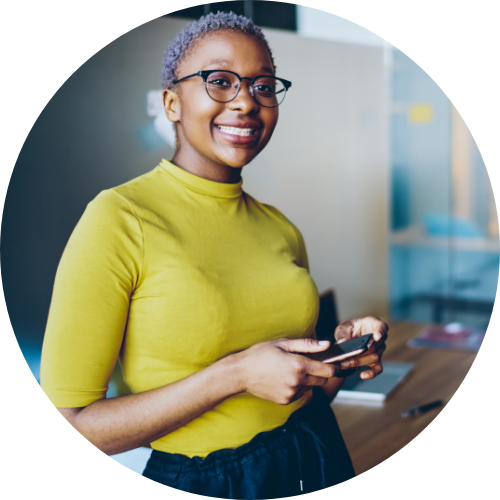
<point x="332" y="387"/>
<point x="121" y="424"/>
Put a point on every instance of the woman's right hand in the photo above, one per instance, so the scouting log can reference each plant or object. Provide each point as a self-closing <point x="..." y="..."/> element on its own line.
<point x="275" y="371"/>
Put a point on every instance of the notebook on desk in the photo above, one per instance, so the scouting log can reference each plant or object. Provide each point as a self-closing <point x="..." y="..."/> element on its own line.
<point x="451" y="336"/>
<point x="376" y="389"/>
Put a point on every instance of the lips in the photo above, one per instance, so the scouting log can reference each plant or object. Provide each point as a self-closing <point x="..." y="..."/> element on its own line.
<point x="239" y="132"/>
<point x="236" y="130"/>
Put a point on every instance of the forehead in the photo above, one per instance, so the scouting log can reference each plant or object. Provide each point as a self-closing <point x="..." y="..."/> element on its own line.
<point x="226" y="49"/>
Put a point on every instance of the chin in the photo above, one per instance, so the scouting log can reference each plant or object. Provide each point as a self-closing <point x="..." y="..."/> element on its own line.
<point x="237" y="164"/>
<point x="238" y="160"/>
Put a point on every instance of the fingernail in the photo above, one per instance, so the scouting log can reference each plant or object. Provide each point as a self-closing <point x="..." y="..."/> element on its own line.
<point x="323" y="342"/>
<point x="345" y="364"/>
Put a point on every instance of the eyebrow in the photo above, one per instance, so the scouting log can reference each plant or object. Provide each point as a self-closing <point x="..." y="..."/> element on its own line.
<point x="216" y="62"/>
<point x="224" y="62"/>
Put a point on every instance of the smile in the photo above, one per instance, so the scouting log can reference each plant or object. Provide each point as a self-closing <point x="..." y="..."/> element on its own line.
<point x="236" y="130"/>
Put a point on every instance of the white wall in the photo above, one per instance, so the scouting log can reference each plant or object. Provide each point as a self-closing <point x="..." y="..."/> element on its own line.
<point x="315" y="23"/>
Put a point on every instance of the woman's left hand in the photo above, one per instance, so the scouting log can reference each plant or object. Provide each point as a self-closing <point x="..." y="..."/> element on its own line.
<point x="372" y="358"/>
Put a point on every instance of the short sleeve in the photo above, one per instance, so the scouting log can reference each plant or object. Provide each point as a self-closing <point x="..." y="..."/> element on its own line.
<point x="98" y="272"/>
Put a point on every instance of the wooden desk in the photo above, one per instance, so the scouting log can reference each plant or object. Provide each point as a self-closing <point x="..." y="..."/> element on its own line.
<point x="373" y="434"/>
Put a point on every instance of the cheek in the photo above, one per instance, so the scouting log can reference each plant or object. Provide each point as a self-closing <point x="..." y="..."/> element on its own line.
<point x="198" y="111"/>
<point x="270" y="116"/>
<point x="271" y="120"/>
<point x="200" y="127"/>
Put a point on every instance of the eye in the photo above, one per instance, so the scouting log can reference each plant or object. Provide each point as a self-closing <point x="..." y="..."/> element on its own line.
<point x="219" y="82"/>
<point x="264" y="88"/>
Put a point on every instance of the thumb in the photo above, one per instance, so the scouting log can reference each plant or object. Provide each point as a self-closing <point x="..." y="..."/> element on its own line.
<point x="304" y="345"/>
<point x="344" y="331"/>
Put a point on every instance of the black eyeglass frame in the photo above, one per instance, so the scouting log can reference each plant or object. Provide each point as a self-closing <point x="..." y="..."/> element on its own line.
<point x="206" y="73"/>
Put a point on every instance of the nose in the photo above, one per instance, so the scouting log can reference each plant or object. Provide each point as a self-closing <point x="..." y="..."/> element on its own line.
<point x="244" y="101"/>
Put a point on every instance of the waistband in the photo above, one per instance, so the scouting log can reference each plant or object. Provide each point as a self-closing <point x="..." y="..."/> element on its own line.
<point x="307" y="422"/>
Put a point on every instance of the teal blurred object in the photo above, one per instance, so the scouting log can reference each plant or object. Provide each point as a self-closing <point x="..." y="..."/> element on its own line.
<point x="444" y="225"/>
<point x="149" y="138"/>
<point x="134" y="460"/>
<point x="117" y="386"/>
<point x="32" y="353"/>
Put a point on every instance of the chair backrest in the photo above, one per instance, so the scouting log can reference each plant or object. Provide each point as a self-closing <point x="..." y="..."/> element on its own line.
<point x="328" y="319"/>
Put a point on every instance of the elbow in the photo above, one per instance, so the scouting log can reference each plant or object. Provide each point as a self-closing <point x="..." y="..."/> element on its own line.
<point x="103" y="449"/>
<point x="73" y="416"/>
<point x="102" y="446"/>
<point x="94" y="432"/>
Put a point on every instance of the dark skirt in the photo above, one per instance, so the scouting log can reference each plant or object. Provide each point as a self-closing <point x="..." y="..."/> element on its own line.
<point x="305" y="454"/>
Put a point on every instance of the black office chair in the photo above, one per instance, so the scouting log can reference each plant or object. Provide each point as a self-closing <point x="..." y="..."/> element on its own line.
<point x="328" y="319"/>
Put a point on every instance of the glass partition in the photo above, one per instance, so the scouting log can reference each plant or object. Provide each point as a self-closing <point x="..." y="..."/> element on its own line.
<point x="444" y="247"/>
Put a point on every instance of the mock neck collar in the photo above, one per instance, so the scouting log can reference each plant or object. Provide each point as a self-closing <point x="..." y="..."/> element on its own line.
<point x="201" y="185"/>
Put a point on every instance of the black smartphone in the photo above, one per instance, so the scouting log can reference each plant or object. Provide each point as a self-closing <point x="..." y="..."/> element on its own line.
<point x="345" y="350"/>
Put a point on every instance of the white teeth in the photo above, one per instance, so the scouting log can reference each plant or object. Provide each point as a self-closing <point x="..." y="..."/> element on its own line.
<point x="236" y="130"/>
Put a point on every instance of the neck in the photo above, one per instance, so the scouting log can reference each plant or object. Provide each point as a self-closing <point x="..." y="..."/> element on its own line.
<point x="210" y="171"/>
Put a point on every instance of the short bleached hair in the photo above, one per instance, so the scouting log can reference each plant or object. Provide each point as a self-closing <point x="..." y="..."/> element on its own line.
<point x="180" y="45"/>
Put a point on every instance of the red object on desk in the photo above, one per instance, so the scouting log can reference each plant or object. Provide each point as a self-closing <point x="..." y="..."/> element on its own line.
<point x="452" y="336"/>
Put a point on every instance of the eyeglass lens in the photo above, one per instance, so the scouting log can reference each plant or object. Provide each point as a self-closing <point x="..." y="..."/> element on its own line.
<point x="223" y="87"/>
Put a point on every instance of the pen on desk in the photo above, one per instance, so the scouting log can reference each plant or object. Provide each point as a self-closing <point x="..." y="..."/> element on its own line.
<point x="421" y="409"/>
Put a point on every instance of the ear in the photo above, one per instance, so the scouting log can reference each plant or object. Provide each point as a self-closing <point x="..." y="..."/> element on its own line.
<point x="172" y="105"/>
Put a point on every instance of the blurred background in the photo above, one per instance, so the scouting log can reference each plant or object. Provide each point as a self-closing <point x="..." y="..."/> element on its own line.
<point x="370" y="160"/>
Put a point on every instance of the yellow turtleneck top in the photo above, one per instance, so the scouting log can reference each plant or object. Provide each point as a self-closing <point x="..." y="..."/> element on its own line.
<point x="169" y="273"/>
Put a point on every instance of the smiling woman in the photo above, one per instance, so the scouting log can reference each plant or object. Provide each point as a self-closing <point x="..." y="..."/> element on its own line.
<point x="222" y="134"/>
<point x="181" y="276"/>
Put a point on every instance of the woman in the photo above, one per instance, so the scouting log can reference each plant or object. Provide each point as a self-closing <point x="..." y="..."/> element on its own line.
<point x="204" y="295"/>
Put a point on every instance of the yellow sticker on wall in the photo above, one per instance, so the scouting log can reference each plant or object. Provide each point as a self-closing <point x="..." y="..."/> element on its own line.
<point x="420" y="113"/>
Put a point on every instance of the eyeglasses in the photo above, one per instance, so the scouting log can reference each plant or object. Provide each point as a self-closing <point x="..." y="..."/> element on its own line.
<point x="224" y="86"/>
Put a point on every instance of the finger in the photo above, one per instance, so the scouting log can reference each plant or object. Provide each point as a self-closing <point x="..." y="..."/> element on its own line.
<point x="379" y="351"/>
<point x="362" y="326"/>
<point x="312" y="380"/>
<point x="366" y="359"/>
<point x="376" y="326"/>
<point x="370" y="324"/>
<point x="310" y="367"/>
<point x="372" y="372"/>
<point x="371" y="356"/>
<point x="304" y="345"/>
<point x="376" y="346"/>
<point x="344" y="331"/>
<point x="300" y="393"/>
